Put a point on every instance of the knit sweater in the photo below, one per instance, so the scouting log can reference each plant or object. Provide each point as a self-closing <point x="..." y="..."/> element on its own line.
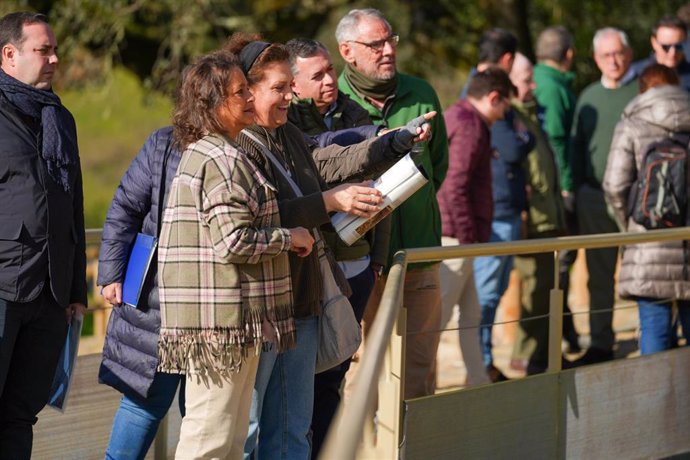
<point x="597" y="112"/>
<point x="223" y="265"/>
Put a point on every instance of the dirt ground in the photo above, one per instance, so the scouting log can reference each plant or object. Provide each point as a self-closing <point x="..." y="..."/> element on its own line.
<point x="451" y="370"/>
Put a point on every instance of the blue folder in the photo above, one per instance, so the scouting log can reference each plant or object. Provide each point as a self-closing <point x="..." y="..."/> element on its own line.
<point x="140" y="257"/>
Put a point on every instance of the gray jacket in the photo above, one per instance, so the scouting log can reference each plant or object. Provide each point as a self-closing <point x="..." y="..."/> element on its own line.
<point x="657" y="269"/>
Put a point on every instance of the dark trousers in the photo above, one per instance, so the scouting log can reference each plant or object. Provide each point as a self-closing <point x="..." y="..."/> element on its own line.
<point x="532" y="341"/>
<point x="565" y="263"/>
<point x="594" y="216"/>
<point x="32" y="335"/>
<point x="327" y="384"/>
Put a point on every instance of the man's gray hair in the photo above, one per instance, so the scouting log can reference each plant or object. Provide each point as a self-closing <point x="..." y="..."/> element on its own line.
<point x="606" y="31"/>
<point x="553" y="44"/>
<point x="347" y="27"/>
<point x="304" y="48"/>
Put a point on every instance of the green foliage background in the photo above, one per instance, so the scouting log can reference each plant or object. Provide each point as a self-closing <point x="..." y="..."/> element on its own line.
<point x="120" y="59"/>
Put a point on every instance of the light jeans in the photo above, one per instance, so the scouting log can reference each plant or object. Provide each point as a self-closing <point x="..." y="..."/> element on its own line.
<point x="136" y="420"/>
<point x="283" y="399"/>
<point x="492" y="275"/>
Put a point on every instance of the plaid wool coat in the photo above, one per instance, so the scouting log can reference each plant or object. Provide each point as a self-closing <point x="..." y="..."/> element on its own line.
<point x="223" y="264"/>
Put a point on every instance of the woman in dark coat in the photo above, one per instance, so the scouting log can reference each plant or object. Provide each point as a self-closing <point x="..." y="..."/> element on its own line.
<point x="130" y="350"/>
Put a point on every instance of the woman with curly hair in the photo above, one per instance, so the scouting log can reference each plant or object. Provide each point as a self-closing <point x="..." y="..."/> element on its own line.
<point x="224" y="275"/>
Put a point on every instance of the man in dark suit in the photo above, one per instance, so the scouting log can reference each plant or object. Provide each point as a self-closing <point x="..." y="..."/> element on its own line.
<point x="42" y="258"/>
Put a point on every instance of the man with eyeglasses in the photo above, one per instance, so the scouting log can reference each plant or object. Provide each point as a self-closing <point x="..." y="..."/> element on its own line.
<point x="318" y="106"/>
<point x="42" y="280"/>
<point x="668" y="40"/>
<point x="368" y="45"/>
<point x="597" y="112"/>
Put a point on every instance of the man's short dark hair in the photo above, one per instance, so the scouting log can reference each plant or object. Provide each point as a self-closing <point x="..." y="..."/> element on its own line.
<point x="303" y="48"/>
<point x="553" y="44"/>
<point x="12" y="25"/>
<point x="494" y="43"/>
<point x="491" y="79"/>
<point x="672" y="22"/>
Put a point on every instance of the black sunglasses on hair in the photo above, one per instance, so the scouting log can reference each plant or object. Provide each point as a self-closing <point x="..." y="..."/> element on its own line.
<point x="676" y="46"/>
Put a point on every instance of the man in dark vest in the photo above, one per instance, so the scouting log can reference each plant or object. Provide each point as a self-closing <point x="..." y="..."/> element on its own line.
<point x="42" y="258"/>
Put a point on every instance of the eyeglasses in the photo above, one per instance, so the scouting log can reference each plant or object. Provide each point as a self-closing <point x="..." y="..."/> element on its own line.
<point x="676" y="46"/>
<point x="612" y="54"/>
<point x="378" y="45"/>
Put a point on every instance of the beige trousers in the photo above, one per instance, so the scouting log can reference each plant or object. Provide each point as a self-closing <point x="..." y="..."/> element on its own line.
<point x="422" y="299"/>
<point x="458" y="288"/>
<point x="217" y="412"/>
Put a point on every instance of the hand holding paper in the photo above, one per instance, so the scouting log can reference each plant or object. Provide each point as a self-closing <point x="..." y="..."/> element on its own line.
<point x="396" y="185"/>
<point x="359" y="199"/>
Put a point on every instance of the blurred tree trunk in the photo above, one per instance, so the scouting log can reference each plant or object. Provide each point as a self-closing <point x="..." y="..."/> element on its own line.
<point x="513" y="15"/>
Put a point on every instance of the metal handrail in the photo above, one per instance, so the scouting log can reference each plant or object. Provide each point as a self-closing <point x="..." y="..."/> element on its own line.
<point x="345" y="434"/>
<point x="94" y="235"/>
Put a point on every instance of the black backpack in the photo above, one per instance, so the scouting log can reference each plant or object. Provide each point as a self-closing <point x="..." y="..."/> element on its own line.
<point x="659" y="198"/>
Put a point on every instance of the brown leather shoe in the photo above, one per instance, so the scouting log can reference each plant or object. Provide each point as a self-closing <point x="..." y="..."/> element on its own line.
<point x="495" y="375"/>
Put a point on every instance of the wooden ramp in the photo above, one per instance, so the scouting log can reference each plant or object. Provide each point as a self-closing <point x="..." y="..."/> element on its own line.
<point x="83" y="430"/>
<point x="633" y="408"/>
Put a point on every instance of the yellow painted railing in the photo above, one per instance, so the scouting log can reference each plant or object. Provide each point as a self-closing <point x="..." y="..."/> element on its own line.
<point x="346" y="432"/>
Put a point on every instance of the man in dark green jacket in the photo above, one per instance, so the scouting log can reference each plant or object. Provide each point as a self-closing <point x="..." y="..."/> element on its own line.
<point x="545" y="219"/>
<point x="553" y="93"/>
<point x="368" y="46"/>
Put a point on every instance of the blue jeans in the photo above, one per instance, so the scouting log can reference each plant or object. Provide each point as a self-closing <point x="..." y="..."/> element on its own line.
<point x="656" y="324"/>
<point x="491" y="275"/>
<point x="136" y="420"/>
<point x="32" y="335"/>
<point x="283" y="399"/>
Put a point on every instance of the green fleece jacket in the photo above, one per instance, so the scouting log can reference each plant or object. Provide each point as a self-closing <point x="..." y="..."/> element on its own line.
<point x="553" y="93"/>
<point x="597" y="113"/>
<point x="417" y="222"/>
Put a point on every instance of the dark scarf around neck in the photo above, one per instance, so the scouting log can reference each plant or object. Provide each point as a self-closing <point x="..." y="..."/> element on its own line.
<point x="370" y="88"/>
<point x="59" y="149"/>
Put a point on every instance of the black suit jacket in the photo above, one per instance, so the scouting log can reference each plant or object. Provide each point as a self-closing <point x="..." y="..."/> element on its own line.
<point x="41" y="225"/>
